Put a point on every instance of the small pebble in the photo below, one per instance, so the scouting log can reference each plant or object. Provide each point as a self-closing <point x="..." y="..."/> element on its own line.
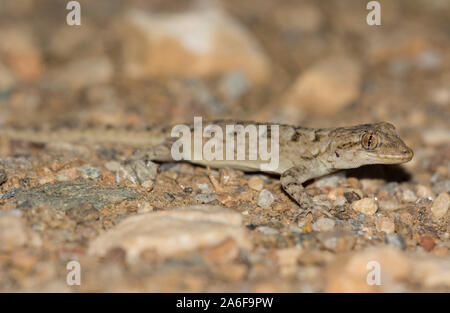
<point x="395" y="240"/>
<point x="203" y="187"/>
<point x="265" y="199"/>
<point x="88" y="172"/>
<point x="388" y="205"/>
<point x="440" y="205"/>
<point x="409" y="195"/>
<point x="367" y="206"/>
<point x="340" y="201"/>
<point x="385" y="224"/>
<point x="145" y="171"/>
<point x="112" y="166"/>
<point x="441" y="186"/>
<point x="205" y="197"/>
<point x="68" y="174"/>
<point x="390" y="188"/>
<point x="427" y="243"/>
<point x="424" y="192"/>
<point x="140" y="172"/>
<point x="323" y="224"/>
<point x="3" y="176"/>
<point x="256" y="183"/>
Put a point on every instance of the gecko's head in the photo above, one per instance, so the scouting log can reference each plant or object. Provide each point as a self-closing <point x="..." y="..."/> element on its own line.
<point x="369" y="144"/>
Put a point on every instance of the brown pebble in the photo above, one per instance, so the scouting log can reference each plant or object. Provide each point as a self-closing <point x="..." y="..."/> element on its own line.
<point x="427" y="243"/>
<point x="256" y="183"/>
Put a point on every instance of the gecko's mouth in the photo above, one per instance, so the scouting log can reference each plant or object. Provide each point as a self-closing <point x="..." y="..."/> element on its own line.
<point x="405" y="156"/>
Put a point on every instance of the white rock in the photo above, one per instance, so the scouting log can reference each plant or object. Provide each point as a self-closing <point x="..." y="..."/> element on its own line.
<point x="193" y="43"/>
<point x="172" y="232"/>
<point x="265" y="198"/>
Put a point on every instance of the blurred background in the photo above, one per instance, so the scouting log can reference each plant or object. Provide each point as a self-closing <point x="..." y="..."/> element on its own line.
<point x="312" y="63"/>
<point x="135" y="63"/>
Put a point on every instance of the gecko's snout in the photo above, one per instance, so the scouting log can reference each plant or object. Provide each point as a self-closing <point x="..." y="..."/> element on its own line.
<point x="408" y="154"/>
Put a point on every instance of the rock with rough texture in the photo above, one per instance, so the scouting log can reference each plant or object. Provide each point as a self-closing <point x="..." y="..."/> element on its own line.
<point x="172" y="232"/>
<point x="367" y="206"/>
<point x="193" y="43"/>
<point x="322" y="89"/>
<point x="440" y="205"/>
<point x="67" y="195"/>
<point x="139" y="172"/>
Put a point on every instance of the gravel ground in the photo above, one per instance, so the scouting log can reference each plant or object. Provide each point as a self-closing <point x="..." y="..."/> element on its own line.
<point x="133" y="63"/>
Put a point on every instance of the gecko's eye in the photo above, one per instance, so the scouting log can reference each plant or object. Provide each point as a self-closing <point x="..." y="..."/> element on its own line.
<point x="369" y="141"/>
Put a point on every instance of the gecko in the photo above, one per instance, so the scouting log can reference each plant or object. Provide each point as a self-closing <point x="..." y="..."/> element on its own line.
<point x="304" y="153"/>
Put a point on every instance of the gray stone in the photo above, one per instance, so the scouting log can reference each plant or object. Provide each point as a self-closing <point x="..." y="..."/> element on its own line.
<point x="395" y="240"/>
<point x="205" y="197"/>
<point x="88" y="172"/>
<point x="67" y="195"/>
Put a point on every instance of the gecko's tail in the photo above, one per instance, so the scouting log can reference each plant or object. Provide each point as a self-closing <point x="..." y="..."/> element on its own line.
<point x="135" y="138"/>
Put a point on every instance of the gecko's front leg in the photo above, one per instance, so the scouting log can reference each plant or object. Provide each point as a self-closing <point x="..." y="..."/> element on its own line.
<point x="291" y="181"/>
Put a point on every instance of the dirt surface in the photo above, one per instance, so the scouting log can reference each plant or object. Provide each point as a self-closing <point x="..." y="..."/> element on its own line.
<point x="131" y="64"/>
